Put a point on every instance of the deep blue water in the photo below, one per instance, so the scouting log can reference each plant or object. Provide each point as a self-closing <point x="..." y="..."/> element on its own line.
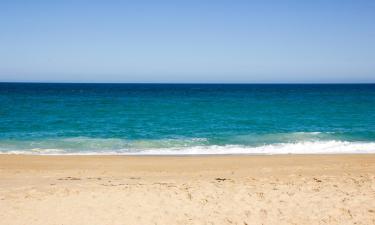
<point x="186" y="118"/>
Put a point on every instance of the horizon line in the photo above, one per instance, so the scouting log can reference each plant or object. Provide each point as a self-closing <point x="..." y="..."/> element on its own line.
<point x="225" y="83"/>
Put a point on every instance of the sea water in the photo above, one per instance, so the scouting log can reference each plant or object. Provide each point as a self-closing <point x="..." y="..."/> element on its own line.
<point x="42" y="118"/>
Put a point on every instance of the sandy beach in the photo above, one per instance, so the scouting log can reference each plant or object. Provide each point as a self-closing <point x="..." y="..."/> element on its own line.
<point x="289" y="189"/>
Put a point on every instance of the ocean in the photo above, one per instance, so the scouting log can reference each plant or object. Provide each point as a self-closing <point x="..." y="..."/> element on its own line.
<point x="162" y="119"/>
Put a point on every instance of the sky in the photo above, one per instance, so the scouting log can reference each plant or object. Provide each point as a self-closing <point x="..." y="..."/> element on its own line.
<point x="281" y="41"/>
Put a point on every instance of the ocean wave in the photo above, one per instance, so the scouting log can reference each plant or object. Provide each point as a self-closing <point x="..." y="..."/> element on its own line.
<point x="81" y="145"/>
<point x="307" y="147"/>
<point x="320" y="147"/>
<point x="268" y="143"/>
<point x="273" y="138"/>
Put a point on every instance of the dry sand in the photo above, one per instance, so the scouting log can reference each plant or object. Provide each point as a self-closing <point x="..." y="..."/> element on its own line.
<point x="105" y="190"/>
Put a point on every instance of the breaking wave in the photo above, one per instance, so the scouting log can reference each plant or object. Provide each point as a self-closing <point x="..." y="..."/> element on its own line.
<point x="284" y="143"/>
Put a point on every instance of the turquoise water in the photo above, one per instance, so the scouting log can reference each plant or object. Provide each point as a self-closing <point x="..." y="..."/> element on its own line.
<point x="186" y="118"/>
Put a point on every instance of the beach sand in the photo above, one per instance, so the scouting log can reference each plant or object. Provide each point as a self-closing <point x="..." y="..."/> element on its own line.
<point x="105" y="190"/>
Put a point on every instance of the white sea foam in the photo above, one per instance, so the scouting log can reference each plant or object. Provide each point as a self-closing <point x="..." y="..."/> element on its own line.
<point x="307" y="147"/>
<point x="321" y="147"/>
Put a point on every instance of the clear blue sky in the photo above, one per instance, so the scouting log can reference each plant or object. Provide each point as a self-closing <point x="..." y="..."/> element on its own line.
<point x="188" y="41"/>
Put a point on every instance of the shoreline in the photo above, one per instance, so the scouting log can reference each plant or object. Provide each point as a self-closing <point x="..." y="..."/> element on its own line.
<point x="209" y="159"/>
<point x="190" y="155"/>
<point x="220" y="189"/>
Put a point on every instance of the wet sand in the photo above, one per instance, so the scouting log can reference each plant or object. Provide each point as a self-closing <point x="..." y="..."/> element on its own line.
<point x="288" y="189"/>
